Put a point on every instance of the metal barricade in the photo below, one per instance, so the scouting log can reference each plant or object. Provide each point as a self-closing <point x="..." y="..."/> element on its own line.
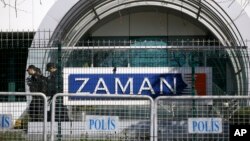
<point x="97" y="117"/>
<point x="23" y="120"/>
<point x="205" y="118"/>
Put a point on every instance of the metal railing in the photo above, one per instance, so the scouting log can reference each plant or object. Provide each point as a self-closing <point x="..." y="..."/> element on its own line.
<point x="23" y="120"/>
<point x="121" y="117"/>
<point x="176" y="116"/>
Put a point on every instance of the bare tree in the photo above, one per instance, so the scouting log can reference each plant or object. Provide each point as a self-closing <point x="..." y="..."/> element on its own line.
<point x="14" y="6"/>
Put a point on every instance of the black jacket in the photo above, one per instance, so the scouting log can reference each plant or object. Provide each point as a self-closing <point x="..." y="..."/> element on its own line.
<point x="37" y="83"/>
<point x="54" y="83"/>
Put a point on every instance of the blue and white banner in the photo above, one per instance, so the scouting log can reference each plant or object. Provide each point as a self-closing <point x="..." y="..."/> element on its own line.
<point x="5" y="121"/>
<point x="138" y="81"/>
<point x="205" y="125"/>
<point x="95" y="123"/>
<point x="141" y="84"/>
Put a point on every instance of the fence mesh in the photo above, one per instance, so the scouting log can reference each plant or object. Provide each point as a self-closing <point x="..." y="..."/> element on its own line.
<point x="229" y="66"/>
<point x="23" y="120"/>
<point x="103" y="118"/>
<point x="177" y="118"/>
<point x="228" y="61"/>
<point x="207" y="66"/>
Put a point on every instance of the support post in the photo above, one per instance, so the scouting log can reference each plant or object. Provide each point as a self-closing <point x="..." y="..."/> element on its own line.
<point x="59" y="85"/>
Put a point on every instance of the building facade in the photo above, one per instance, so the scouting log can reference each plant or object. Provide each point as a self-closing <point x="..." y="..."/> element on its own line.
<point x="148" y="34"/>
<point x="142" y="34"/>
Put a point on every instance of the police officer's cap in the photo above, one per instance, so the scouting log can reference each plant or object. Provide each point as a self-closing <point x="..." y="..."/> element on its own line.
<point x="50" y="65"/>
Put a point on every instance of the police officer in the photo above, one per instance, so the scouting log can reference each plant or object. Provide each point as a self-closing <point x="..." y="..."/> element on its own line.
<point x="37" y="83"/>
<point x="53" y="79"/>
<point x="55" y="86"/>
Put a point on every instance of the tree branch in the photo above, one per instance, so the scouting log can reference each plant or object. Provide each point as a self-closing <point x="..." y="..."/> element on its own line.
<point x="4" y="3"/>
<point x="15" y="6"/>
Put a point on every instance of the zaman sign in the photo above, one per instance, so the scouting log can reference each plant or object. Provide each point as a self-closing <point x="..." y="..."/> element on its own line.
<point x="154" y="82"/>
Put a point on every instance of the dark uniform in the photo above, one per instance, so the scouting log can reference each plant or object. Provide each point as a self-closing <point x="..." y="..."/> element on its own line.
<point x="37" y="83"/>
<point x="55" y="82"/>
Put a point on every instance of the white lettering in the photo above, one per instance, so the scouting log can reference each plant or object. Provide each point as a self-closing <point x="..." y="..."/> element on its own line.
<point x="240" y="132"/>
<point x="237" y="132"/>
<point x="129" y="84"/>
<point x="98" y="87"/>
<point x="85" y="80"/>
<point x="163" y="81"/>
<point x="146" y="88"/>
<point x="118" y="83"/>
<point x="243" y="131"/>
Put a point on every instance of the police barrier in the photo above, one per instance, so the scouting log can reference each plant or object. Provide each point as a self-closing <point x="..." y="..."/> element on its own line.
<point x="203" y="118"/>
<point x="119" y="117"/>
<point x="23" y="119"/>
<point x="99" y="117"/>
